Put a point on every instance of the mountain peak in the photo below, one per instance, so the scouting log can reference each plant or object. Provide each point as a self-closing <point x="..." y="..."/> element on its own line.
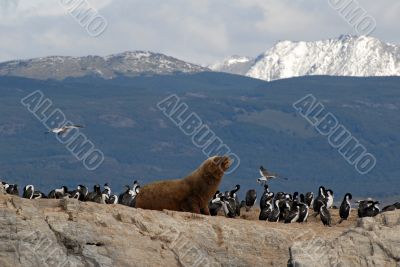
<point x="128" y="63"/>
<point x="233" y="64"/>
<point x="346" y="37"/>
<point x="347" y="55"/>
<point x="133" y="54"/>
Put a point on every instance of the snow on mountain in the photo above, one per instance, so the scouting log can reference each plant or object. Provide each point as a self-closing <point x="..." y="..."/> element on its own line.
<point x="234" y="64"/>
<point x="344" y="56"/>
<point x="127" y="64"/>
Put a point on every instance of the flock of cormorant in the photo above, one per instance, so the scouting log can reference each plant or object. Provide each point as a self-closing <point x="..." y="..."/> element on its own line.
<point x="291" y="208"/>
<point x="81" y="193"/>
<point x="274" y="207"/>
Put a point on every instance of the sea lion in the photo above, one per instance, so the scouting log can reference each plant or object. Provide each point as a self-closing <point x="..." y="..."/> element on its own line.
<point x="190" y="194"/>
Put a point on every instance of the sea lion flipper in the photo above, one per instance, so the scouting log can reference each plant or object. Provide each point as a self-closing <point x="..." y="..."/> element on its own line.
<point x="205" y="211"/>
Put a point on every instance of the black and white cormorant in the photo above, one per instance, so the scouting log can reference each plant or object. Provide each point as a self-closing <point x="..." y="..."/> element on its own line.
<point x="345" y="207"/>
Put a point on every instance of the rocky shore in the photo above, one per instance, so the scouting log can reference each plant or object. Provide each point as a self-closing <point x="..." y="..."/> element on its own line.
<point x="66" y="232"/>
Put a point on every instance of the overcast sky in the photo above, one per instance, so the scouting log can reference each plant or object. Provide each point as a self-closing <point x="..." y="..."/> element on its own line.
<point x="199" y="31"/>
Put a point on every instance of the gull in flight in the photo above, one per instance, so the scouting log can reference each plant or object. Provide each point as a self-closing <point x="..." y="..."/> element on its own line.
<point x="266" y="175"/>
<point x="64" y="129"/>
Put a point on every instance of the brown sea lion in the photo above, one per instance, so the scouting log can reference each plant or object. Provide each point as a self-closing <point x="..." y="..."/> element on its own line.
<point x="190" y="194"/>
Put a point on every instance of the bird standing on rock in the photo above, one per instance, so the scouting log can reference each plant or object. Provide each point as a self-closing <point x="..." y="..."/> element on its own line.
<point x="113" y="199"/>
<point x="321" y="199"/>
<point x="251" y="198"/>
<point x="128" y="198"/>
<point x="368" y="208"/>
<point x="12" y="189"/>
<point x="274" y="215"/>
<point x="309" y="199"/>
<point x="58" y="193"/>
<point x="96" y="195"/>
<point x="38" y="195"/>
<point x="107" y="189"/>
<point x="83" y="192"/>
<point x="391" y="207"/>
<point x="325" y="214"/>
<point x="329" y="198"/>
<point x="293" y="215"/>
<point x="345" y="208"/>
<point x="266" y="199"/>
<point x="303" y="210"/>
<point x="265" y="212"/>
<point x="28" y="192"/>
<point x="215" y="205"/>
<point x="233" y="200"/>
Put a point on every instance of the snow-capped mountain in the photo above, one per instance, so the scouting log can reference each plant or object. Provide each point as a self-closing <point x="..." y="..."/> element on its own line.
<point x="234" y="64"/>
<point x="126" y="64"/>
<point x="344" y="56"/>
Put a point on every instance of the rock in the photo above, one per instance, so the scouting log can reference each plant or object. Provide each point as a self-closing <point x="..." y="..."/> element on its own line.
<point x="51" y="232"/>
<point x="2" y="190"/>
<point x="367" y="223"/>
<point x="374" y="242"/>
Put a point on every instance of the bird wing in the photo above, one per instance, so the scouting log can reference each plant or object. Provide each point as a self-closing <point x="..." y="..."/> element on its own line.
<point x="62" y="131"/>
<point x="54" y="130"/>
<point x="292" y="215"/>
<point x="75" y="126"/>
<point x="347" y="208"/>
<point x="69" y="127"/>
<point x="268" y="175"/>
<point x="264" y="172"/>
<point x="57" y="130"/>
<point x="284" y="178"/>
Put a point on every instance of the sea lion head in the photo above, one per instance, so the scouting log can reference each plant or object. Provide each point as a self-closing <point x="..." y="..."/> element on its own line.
<point x="216" y="166"/>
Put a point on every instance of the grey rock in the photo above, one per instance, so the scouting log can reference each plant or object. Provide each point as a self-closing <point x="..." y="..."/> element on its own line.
<point x="66" y="232"/>
<point x="373" y="242"/>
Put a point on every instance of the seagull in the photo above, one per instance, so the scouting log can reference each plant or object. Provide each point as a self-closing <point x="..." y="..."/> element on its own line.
<point x="266" y="175"/>
<point x="64" y="129"/>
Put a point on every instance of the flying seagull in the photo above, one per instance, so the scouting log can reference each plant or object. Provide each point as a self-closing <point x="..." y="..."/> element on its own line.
<point x="64" y="129"/>
<point x="266" y="175"/>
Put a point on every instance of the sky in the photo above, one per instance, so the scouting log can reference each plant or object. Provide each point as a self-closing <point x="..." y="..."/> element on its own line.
<point x="201" y="31"/>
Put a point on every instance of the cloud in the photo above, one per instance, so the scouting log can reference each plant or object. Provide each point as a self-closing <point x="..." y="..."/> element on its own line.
<point x="21" y="11"/>
<point x="197" y="31"/>
<point x="7" y="6"/>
